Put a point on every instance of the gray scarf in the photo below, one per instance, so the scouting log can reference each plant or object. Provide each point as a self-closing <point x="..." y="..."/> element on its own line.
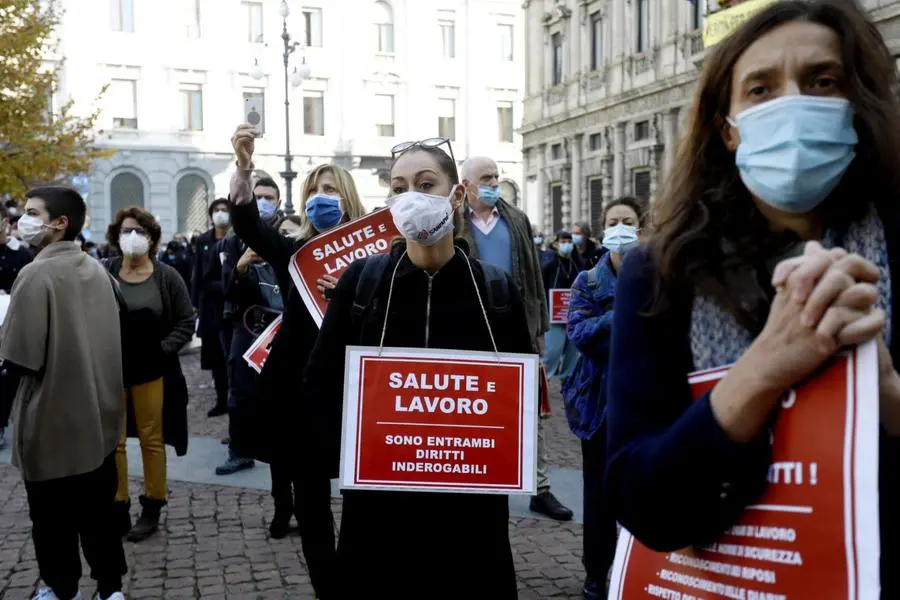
<point x="717" y="339"/>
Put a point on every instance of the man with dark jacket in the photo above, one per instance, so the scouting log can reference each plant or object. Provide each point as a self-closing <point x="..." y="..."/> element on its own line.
<point x="208" y="298"/>
<point x="500" y="234"/>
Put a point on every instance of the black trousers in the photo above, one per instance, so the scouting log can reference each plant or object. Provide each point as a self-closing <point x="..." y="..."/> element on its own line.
<point x="600" y="532"/>
<point x="9" y="384"/>
<point x="64" y="511"/>
<point x="308" y="496"/>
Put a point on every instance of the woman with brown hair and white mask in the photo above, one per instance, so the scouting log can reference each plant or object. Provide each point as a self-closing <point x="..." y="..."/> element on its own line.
<point x="409" y="544"/>
<point x="774" y="245"/>
<point x="158" y="322"/>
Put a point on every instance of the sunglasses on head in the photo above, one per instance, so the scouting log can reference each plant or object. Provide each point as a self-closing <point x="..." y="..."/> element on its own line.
<point x="435" y="142"/>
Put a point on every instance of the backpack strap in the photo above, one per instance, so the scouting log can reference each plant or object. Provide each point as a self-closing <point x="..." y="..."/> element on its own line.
<point x="367" y="285"/>
<point x="593" y="278"/>
<point x="496" y="285"/>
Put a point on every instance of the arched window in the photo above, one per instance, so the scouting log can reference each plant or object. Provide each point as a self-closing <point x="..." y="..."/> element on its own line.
<point x="384" y="27"/>
<point x="125" y="190"/>
<point x="193" y="198"/>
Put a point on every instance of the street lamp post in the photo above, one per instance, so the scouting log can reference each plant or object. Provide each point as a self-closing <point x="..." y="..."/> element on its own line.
<point x="294" y="79"/>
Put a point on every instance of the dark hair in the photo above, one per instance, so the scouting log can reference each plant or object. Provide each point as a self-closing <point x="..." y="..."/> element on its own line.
<point x="62" y="201"/>
<point x="585" y="228"/>
<point x="629" y="201"/>
<point x="443" y="160"/>
<point x="215" y="203"/>
<point x="564" y="233"/>
<point x="295" y="219"/>
<point x="146" y="220"/>
<point x="708" y="234"/>
<point x="268" y="182"/>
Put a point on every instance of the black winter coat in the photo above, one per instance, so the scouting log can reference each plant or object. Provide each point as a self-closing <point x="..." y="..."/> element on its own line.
<point x="208" y="297"/>
<point x="278" y="425"/>
<point x="397" y="544"/>
<point x="559" y="273"/>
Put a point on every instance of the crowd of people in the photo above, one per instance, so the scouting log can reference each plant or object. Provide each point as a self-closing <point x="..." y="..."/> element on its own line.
<point x="769" y="247"/>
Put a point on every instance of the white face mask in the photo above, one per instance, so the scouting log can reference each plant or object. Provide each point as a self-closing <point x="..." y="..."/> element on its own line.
<point x="133" y="244"/>
<point x="422" y="218"/>
<point x="32" y="230"/>
<point x="221" y="218"/>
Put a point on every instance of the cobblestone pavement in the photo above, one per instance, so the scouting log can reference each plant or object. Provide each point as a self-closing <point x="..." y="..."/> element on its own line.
<point x="213" y="541"/>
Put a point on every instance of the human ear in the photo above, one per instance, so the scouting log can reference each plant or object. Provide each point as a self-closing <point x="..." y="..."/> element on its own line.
<point x="731" y="136"/>
<point x="457" y="196"/>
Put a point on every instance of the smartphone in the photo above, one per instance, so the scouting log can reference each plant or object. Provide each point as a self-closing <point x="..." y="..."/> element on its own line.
<point x="255" y="111"/>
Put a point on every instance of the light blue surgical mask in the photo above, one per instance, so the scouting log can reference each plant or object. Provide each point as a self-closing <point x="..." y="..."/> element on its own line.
<point x="565" y="248"/>
<point x="489" y="195"/>
<point x="324" y="211"/>
<point x="266" y="208"/>
<point x="795" y="149"/>
<point x="538" y="240"/>
<point x="577" y="239"/>
<point x="620" y="238"/>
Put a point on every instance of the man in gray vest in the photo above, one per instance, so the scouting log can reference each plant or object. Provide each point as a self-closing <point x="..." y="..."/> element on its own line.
<point x="500" y="234"/>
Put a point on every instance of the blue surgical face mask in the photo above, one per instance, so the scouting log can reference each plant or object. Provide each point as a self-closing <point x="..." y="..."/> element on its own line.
<point x="538" y="240"/>
<point x="266" y="208"/>
<point x="620" y="238"/>
<point x="577" y="239"/>
<point x="565" y="248"/>
<point x="324" y="211"/>
<point x="795" y="149"/>
<point x="489" y="195"/>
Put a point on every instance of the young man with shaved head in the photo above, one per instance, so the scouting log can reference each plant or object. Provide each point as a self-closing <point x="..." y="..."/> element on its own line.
<point x="500" y="234"/>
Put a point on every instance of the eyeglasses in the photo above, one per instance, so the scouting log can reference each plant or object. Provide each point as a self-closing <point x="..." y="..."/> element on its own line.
<point x="435" y="142"/>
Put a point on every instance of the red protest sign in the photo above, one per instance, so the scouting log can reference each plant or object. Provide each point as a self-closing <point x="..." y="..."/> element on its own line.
<point x="439" y="420"/>
<point x="814" y="532"/>
<point x="333" y="251"/>
<point x="559" y="306"/>
<point x="258" y="352"/>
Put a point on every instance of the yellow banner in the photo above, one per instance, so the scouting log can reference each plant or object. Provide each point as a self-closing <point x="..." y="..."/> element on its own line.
<point x="720" y="24"/>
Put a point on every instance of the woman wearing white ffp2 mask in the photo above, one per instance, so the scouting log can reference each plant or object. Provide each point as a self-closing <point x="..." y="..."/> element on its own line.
<point x="434" y="302"/>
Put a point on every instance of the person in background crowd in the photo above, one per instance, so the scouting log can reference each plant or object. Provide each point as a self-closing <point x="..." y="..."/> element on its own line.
<point x="544" y="254"/>
<point x="773" y="248"/>
<point x="466" y="551"/>
<point x="298" y="486"/>
<point x="14" y="255"/>
<point x="589" y="328"/>
<point x="90" y="248"/>
<point x="501" y="235"/>
<point x="559" y="273"/>
<point x="290" y="226"/>
<point x="177" y="256"/>
<point x="252" y="277"/>
<point x="62" y="338"/>
<point x="208" y="297"/>
<point x="158" y="322"/>
<point x="587" y="251"/>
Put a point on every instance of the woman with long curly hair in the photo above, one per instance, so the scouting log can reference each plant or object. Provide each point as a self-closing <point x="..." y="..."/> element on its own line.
<point x="773" y="246"/>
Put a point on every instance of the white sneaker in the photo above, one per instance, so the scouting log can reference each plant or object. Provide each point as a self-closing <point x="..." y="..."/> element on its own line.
<point x="47" y="594"/>
<point x="116" y="596"/>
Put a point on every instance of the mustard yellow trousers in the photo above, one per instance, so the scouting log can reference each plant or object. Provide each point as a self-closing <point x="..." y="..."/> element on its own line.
<point x="147" y="402"/>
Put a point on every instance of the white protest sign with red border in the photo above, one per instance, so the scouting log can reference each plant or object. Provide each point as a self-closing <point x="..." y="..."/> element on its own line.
<point x="440" y="420"/>
<point x="258" y="352"/>
<point x="559" y="305"/>
<point x="814" y="532"/>
<point x="332" y="252"/>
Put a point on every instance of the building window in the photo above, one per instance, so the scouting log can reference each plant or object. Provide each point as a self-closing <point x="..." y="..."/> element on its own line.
<point x="192" y="195"/>
<point x="597" y="41"/>
<point x="121" y="15"/>
<point x="641" y="185"/>
<point x="643" y="25"/>
<point x="191" y="107"/>
<point x="384" y="115"/>
<point x="507" y="42"/>
<point x="384" y="27"/>
<point x="697" y="10"/>
<point x="254" y="15"/>
<point x="125" y="190"/>
<point x="641" y="130"/>
<point x="556" y="152"/>
<point x="595" y="142"/>
<point x="505" y="121"/>
<point x="595" y="197"/>
<point x="447" y="118"/>
<point x="556" y="206"/>
<point x="312" y="22"/>
<point x="122" y="98"/>
<point x="448" y="38"/>
<point x="255" y="109"/>
<point x="556" y="45"/>
<point x="193" y="20"/>
<point x="313" y="113"/>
